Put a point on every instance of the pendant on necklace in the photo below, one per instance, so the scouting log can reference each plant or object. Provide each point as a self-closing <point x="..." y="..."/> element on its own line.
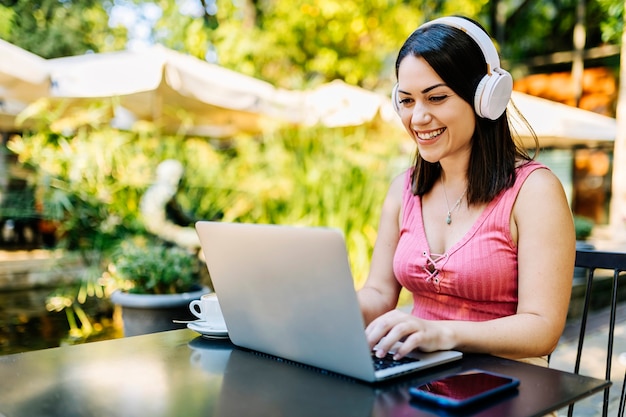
<point x="456" y="205"/>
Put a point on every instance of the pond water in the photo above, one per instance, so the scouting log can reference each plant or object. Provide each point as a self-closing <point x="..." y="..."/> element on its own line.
<point x="26" y="325"/>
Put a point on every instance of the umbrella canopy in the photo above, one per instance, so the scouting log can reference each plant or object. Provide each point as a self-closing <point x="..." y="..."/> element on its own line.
<point x="173" y="90"/>
<point x="340" y="104"/>
<point x="559" y="125"/>
<point x="23" y="79"/>
<point x="186" y="95"/>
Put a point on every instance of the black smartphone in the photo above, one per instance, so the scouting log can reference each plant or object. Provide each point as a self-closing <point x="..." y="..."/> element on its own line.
<point x="464" y="388"/>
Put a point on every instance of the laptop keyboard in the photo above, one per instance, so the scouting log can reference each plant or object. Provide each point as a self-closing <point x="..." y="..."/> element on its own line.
<point x="388" y="361"/>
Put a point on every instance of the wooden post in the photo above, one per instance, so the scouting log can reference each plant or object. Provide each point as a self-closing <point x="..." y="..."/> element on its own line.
<point x="618" y="199"/>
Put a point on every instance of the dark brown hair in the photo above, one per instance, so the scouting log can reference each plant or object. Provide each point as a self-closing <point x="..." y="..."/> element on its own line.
<point x="458" y="60"/>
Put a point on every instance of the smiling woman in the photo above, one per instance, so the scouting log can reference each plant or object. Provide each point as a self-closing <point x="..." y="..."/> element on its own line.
<point x="429" y="109"/>
<point x="468" y="229"/>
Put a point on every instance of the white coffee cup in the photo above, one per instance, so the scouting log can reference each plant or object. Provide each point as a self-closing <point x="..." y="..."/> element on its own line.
<point x="207" y="309"/>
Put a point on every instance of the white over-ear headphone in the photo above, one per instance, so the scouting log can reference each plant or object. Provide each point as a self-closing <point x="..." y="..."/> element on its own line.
<point x="494" y="90"/>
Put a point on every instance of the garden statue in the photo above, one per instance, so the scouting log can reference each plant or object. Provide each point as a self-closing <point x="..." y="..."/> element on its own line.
<point x="161" y="214"/>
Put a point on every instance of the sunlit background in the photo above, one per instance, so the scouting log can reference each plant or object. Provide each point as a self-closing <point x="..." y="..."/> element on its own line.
<point x="279" y="112"/>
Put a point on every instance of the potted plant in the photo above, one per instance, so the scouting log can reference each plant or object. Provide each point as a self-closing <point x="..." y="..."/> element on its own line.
<point x="155" y="283"/>
<point x="583" y="227"/>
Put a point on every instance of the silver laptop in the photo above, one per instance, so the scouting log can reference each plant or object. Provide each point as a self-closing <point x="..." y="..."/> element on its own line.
<point x="287" y="291"/>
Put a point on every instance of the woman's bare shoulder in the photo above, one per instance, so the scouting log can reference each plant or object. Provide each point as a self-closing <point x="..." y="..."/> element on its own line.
<point x="542" y="198"/>
<point x="542" y="179"/>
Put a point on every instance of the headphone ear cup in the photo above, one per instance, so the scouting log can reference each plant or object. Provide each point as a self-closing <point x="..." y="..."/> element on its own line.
<point x="478" y="95"/>
<point x="394" y="98"/>
<point x="493" y="94"/>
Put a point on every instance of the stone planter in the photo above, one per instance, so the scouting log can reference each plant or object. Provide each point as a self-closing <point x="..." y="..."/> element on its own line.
<point x="151" y="313"/>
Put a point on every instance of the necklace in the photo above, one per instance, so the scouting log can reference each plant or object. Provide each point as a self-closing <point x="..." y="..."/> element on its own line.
<point x="456" y="205"/>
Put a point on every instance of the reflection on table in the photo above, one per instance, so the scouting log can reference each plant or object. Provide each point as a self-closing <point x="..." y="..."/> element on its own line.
<point x="179" y="373"/>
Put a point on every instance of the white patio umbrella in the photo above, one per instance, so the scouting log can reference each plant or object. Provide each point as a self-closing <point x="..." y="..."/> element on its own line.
<point x="165" y="86"/>
<point x="174" y="90"/>
<point x="23" y="79"/>
<point x="339" y="104"/>
<point x="185" y="94"/>
<point x="559" y="125"/>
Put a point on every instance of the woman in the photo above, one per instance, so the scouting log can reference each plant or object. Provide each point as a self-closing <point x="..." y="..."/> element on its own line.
<point x="480" y="233"/>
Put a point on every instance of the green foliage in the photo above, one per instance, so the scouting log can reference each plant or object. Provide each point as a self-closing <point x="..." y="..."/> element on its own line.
<point x="297" y="44"/>
<point x="90" y="177"/>
<point x="309" y="177"/>
<point x="143" y="267"/>
<point x="85" y="304"/>
<point x="545" y="27"/>
<point x="87" y="177"/>
<point x="317" y="41"/>
<point x="612" y="21"/>
<point x="55" y="28"/>
<point x="583" y="227"/>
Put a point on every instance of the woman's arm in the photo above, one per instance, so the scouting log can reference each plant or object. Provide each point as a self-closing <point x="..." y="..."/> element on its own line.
<point x="543" y="228"/>
<point x="546" y="250"/>
<point x="380" y="292"/>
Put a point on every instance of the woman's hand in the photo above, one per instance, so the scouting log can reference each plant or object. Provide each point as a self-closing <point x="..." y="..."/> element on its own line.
<point x="414" y="333"/>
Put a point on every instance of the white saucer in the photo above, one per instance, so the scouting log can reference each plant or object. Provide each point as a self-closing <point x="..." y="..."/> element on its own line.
<point x="207" y="330"/>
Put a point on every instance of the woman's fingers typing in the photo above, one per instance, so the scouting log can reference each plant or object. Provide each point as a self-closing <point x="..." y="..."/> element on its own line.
<point x="384" y="333"/>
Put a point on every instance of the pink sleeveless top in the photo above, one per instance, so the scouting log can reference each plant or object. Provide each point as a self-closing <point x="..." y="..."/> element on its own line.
<point x="476" y="279"/>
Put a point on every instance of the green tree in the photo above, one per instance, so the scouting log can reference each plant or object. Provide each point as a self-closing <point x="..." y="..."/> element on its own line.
<point x="90" y="177"/>
<point x="529" y="29"/>
<point x="300" y="43"/>
<point x="55" y="28"/>
<point x="612" y="23"/>
<point x="303" y="43"/>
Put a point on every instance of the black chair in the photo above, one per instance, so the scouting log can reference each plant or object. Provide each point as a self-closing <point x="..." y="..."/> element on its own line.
<point x="592" y="260"/>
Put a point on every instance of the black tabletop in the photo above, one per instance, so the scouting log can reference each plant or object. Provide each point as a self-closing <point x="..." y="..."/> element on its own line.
<point x="179" y="373"/>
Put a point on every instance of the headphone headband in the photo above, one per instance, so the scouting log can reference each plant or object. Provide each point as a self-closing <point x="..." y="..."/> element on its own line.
<point x="479" y="36"/>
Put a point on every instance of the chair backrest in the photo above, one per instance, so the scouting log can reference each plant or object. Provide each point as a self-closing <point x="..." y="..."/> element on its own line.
<point x="593" y="261"/>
